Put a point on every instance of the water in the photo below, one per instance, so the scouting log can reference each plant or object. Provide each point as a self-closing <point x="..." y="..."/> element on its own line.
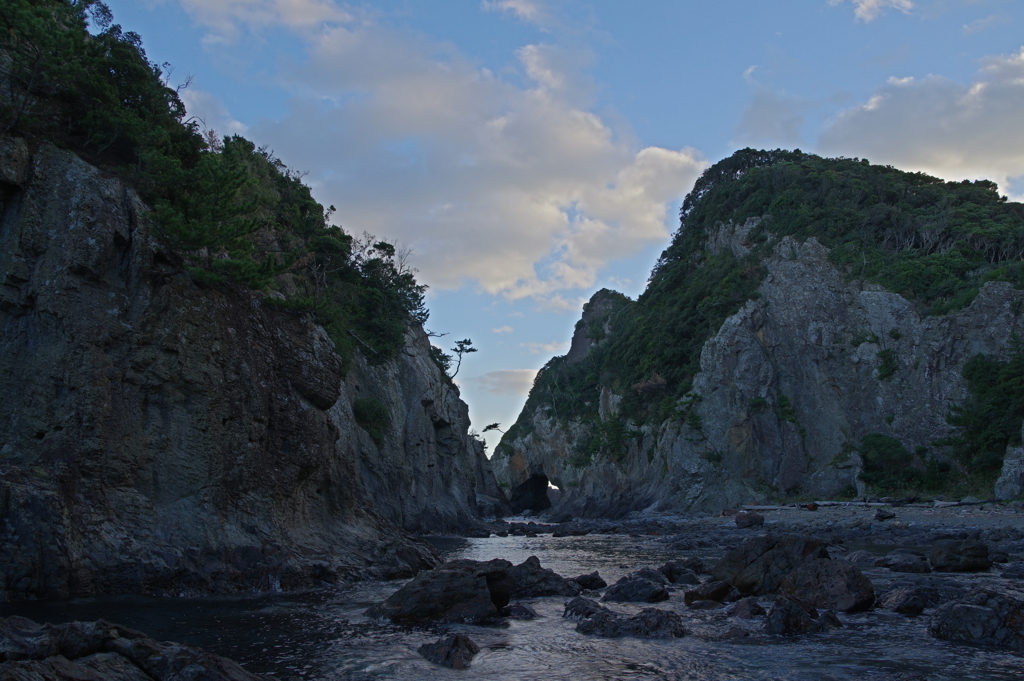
<point x="324" y="635"/>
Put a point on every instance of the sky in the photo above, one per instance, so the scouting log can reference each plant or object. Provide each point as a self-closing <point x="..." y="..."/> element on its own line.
<point x="532" y="152"/>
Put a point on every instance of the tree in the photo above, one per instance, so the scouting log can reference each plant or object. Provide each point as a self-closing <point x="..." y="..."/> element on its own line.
<point x="462" y="347"/>
<point x="494" y="426"/>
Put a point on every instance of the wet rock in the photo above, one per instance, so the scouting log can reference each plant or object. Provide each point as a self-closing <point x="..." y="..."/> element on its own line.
<point x="711" y="591"/>
<point x="745" y="519"/>
<point x="459" y="591"/>
<point x="789" y="616"/>
<point x="904" y="561"/>
<point x="477" y="533"/>
<point x="581" y="608"/>
<point x="655" y="576"/>
<point x="630" y="589"/>
<point x="966" y="555"/>
<point x="677" y="572"/>
<point x="648" y="623"/>
<point x="530" y="580"/>
<point x="983" y="617"/>
<point x="519" y="611"/>
<point x="98" y="651"/>
<point x="833" y="584"/>
<point x="455" y="651"/>
<point x="759" y="564"/>
<point x="906" y="601"/>
<point x="746" y="608"/>
<point x="592" y="582"/>
<point x="884" y="514"/>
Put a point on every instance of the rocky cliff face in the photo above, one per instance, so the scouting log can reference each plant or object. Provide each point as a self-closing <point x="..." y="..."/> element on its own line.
<point x="787" y="387"/>
<point x="158" y="436"/>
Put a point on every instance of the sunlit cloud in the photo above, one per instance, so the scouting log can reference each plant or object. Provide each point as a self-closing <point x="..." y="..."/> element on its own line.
<point x="527" y="11"/>
<point x="545" y="348"/>
<point x="940" y="126"/>
<point x="868" y="10"/>
<point x="520" y="191"/>
<point x="503" y="329"/>
<point x="505" y="381"/>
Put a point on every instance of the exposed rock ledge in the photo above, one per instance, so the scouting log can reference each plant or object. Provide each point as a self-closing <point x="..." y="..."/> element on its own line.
<point x="160" y="437"/>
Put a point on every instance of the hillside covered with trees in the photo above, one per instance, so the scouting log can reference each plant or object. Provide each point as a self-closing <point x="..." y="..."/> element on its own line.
<point x="933" y="242"/>
<point x="228" y="213"/>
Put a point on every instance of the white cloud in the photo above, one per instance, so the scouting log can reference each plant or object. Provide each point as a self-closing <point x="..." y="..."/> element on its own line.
<point x="940" y="126"/>
<point x="503" y="329"/>
<point x="988" y="22"/>
<point x="528" y="11"/>
<point x="868" y="10"/>
<point x="521" y="190"/>
<point x="210" y="111"/>
<point x="506" y="381"/>
<point x="225" y="18"/>
<point x="545" y="348"/>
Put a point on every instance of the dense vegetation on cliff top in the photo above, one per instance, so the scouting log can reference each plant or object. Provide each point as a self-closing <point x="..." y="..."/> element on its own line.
<point x="935" y="242"/>
<point x="227" y="213"/>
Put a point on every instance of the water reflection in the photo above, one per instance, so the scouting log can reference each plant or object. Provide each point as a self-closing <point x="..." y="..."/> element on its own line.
<point x="324" y="635"/>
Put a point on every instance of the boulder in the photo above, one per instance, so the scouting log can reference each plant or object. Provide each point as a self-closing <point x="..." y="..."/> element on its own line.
<point x="630" y="589"/>
<point x="467" y="591"/>
<point x="94" y="651"/>
<point x="759" y="564"/>
<point x="790" y="616"/>
<point x="902" y="560"/>
<point x="711" y="591"/>
<point x="884" y="514"/>
<point x="569" y="530"/>
<point x="963" y="555"/>
<point x="519" y="611"/>
<point x="581" y="608"/>
<point x="677" y="572"/>
<point x="455" y="651"/>
<point x="648" y="623"/>
<point x="746" y="608"/>
<point x="650" y="573"/>
<point x="592" y="582"/>
<point x="906" y="601"/>
<point x="745" y="519"/>
<point x="530" y="580"/>
<point x="832" y="584"/>
<point x="983" y="617"/>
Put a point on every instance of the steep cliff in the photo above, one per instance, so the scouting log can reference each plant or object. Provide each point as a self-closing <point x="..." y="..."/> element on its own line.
<point x="787" y="387"/>
<point x="161" y="436"/>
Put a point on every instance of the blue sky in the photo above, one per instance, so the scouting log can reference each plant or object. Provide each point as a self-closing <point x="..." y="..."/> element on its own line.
<point x="531" y="152"/>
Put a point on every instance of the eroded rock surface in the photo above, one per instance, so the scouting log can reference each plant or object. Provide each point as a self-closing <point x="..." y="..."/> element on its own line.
<point x="158" y="436"/>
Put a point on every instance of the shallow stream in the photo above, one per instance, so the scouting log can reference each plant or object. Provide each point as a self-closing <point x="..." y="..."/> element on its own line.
<point x="324" y="635"/>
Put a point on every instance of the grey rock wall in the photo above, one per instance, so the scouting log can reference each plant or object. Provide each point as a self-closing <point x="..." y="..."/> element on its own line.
<point x="811" y="340"/>
<point x="157" y="436"/>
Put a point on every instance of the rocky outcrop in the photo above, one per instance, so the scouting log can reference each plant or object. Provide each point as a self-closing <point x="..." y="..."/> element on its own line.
<point x="160" y="436"/>
<point x="788" y="386"/>
<point x="94" y="651"/>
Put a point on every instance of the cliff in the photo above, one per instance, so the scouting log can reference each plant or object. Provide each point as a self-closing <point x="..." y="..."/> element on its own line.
<point x="787" y="387"/>
<point x="161" y="436"/>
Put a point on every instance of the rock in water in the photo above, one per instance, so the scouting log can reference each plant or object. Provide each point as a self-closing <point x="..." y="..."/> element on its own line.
<point x="680" y="572"/>
<point x="711" y="591"/>
<point x="632" y="589"/>
<point x="460" y="591"/>
<point x="906" y="601"/>
<point x="98" y="651"/>
<point x="455" y="651"/>
<point x="592" y="582"/>
<point x="791" y="616"/>
<point x="759" y="565"/>
<point x="747" y="608"/>
<point x="983" y="617"/>
<point x="904" y="561"/>
<point x="831" y="584"/>
<point x="581" y="608"/>
<point x="530" y="580"/>
<point x="648" y="623"/>
<point x="966" y="555"/>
